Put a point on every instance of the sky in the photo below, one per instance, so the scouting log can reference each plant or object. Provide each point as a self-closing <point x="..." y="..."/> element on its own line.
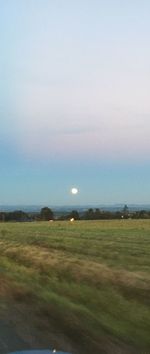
<point x="74" y="101"/>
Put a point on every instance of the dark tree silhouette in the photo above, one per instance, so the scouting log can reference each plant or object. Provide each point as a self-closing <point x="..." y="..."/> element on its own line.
<point x="46" y="214"/>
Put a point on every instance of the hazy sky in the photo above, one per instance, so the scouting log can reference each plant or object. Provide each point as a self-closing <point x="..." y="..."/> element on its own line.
<point x="74" y="101"/>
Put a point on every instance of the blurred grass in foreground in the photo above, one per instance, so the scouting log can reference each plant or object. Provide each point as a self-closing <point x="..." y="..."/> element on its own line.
<point x="90" y="279"/>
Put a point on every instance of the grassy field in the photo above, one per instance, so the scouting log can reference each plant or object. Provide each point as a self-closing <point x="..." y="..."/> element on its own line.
<point x="88" y="280"/>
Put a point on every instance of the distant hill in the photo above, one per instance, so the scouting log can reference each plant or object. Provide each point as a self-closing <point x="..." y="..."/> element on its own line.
<point x="67" y="208"/>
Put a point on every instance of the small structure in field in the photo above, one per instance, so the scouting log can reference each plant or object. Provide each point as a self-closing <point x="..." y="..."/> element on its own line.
<point x="72" y="219"/>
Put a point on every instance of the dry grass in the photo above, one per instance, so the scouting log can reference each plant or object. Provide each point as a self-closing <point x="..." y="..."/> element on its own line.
<point x="90" y="280"/>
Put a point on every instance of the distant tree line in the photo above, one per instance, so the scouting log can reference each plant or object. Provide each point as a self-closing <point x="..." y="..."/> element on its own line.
<point x="46" y="214"/>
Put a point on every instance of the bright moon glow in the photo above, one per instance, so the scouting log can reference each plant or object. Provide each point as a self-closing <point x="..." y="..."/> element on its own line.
<point x="74" y="190"/>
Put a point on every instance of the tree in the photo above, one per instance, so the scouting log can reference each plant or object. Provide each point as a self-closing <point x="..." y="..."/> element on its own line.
<point x="89" y="214"/>
<point x="46" y="214"/>
<point x="74" y="215"/>
<point x="97" y="214"/>
<point x="125" y="211"/>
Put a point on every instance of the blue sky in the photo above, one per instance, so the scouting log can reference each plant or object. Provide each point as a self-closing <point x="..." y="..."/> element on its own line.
<point x="74" y="101"/>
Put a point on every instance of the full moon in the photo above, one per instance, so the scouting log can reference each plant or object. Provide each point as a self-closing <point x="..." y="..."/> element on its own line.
<point x="74" y="190"/>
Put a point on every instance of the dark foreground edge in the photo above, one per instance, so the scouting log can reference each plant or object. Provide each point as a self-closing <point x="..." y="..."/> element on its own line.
<point x="37" y="351"/>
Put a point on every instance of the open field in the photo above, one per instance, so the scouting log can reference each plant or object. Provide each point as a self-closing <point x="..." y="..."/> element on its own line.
<point x="83" y="286"/>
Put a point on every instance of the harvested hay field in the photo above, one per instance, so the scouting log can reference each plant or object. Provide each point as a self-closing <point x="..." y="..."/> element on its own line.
<point x="86" y="284"/>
